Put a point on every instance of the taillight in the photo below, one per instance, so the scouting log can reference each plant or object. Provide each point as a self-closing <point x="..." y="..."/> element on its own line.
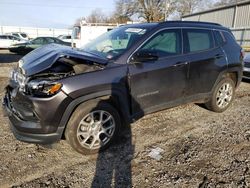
<point x="242" y="54"/>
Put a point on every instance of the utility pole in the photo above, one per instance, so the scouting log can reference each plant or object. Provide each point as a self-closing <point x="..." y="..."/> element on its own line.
<point x="167" y="5"/>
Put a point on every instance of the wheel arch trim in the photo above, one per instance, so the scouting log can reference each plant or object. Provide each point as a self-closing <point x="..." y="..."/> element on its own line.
<point x="119" y="97"/>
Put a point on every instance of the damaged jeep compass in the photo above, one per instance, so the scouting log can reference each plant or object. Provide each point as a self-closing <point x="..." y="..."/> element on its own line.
<point x="86" y="95"/>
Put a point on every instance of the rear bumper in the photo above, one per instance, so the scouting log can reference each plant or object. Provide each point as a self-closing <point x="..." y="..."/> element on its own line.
<point x="28" y="129"/>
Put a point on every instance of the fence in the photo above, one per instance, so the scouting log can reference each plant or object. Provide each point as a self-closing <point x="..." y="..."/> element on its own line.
<point x="35" y="32"/>
<point x="242" y="36"/>
<point x="235" y="16"/>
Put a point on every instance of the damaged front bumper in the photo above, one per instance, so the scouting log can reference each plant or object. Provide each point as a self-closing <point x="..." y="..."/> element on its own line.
<point x="31" y="119"/>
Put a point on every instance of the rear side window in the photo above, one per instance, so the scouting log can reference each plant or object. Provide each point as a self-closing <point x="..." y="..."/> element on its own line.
<point x="23" y="35"/>
<point x="230" y="39"/>
<point x="50" y="40"/>
<point x="198" y="40"/>
<point x="15" y="34"/>
<point x="166" y="43"/>
<point x="219" y="38"/>
<point x="39" y="41"/>
<point x="3" y="37"/>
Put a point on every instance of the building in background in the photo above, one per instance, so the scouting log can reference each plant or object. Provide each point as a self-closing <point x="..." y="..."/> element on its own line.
<point x="236" y="17"/>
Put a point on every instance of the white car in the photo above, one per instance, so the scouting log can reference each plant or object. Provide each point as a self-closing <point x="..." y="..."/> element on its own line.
<point x="7" y="41"/>
<point x="20" y="35"/>
<point x="65" y="38"/>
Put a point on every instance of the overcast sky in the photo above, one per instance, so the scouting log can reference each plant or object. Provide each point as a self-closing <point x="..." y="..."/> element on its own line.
<point x="49" y="13"/>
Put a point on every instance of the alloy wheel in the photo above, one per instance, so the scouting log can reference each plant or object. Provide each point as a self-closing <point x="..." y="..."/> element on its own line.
<point x="96" y="129"/>
<point x="224" y="95"/>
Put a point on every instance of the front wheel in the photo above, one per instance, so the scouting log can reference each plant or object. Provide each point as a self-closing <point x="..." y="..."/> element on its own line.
<point x="222" y="96"/>
<point x="92" y="127"/>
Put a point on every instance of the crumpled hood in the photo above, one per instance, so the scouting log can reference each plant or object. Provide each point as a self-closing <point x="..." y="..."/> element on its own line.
<point x="44" y="57"/>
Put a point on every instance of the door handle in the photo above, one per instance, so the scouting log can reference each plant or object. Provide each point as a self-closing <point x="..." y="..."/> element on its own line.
<point x="178" y="64"/>
<point x="218" y="56"/>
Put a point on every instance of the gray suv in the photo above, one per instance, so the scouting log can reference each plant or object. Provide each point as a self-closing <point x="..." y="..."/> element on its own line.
<point x="87" y="95"/>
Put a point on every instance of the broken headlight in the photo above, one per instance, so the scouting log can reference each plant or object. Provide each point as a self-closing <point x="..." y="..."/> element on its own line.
<point x="43" y="87"/>
<point x="19" y="78"/>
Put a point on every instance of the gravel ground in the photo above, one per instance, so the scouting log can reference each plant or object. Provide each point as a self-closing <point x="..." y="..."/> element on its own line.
<point x="196" y="148"/>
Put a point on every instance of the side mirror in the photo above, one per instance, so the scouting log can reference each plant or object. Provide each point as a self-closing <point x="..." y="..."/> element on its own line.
<point x="144" y="56"/>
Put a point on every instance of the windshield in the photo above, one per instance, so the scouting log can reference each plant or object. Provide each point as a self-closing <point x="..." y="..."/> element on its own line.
<point x="115" y="42"/>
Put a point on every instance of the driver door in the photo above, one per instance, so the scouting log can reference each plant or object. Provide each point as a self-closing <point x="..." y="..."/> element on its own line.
<point x="160" y="81"/>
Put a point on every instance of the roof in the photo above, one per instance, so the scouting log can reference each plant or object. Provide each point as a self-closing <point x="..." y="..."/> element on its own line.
<point x="190" y="22"/>
<point x="178" y="24"/>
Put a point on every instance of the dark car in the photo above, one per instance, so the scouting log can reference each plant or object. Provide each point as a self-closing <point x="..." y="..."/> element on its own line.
<point x="88" y="95"/>
<point x="26" y="47"/>
<point x="246" y="68"/>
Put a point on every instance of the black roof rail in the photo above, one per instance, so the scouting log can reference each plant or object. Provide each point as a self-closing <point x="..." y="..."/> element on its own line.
<point x="198" y="22"/>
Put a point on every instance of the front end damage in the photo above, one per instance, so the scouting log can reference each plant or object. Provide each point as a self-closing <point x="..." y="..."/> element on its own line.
<point x="35" y="99"/>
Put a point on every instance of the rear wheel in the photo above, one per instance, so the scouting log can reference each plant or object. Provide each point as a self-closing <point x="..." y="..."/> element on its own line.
<point x="92" y="127"/>
<point x="222" y="95"/>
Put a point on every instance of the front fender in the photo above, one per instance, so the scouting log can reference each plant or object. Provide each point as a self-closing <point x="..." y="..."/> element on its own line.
<point x="121" y="98"/>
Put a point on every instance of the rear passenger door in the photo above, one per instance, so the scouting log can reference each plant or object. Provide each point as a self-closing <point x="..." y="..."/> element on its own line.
<point x="206" y="60"/>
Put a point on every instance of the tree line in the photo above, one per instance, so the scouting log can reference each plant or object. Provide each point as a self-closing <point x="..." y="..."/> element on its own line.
<point x="152" y="10"/>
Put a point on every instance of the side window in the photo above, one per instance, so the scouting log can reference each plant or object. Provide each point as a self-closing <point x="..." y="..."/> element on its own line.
<point x="198" y="40"/>
<point x="11" y="37"/>
<point x="38" y="41"/>
<point x="23" y="35"/>
<point x="165" y="43"/>
<point x="15" y="34"/>
<point x="50" y="40"/>
<point x="230" y="39"/>
<point x="219" y="39"/>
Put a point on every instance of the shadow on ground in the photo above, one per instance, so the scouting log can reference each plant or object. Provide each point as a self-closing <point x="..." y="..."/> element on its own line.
<point x="113" y="166"/>
<point x="8" y="57"/>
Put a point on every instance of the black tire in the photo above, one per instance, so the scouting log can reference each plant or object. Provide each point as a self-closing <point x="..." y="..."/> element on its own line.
<point x="212" y="104"/>
<point x="81" y="114"/>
